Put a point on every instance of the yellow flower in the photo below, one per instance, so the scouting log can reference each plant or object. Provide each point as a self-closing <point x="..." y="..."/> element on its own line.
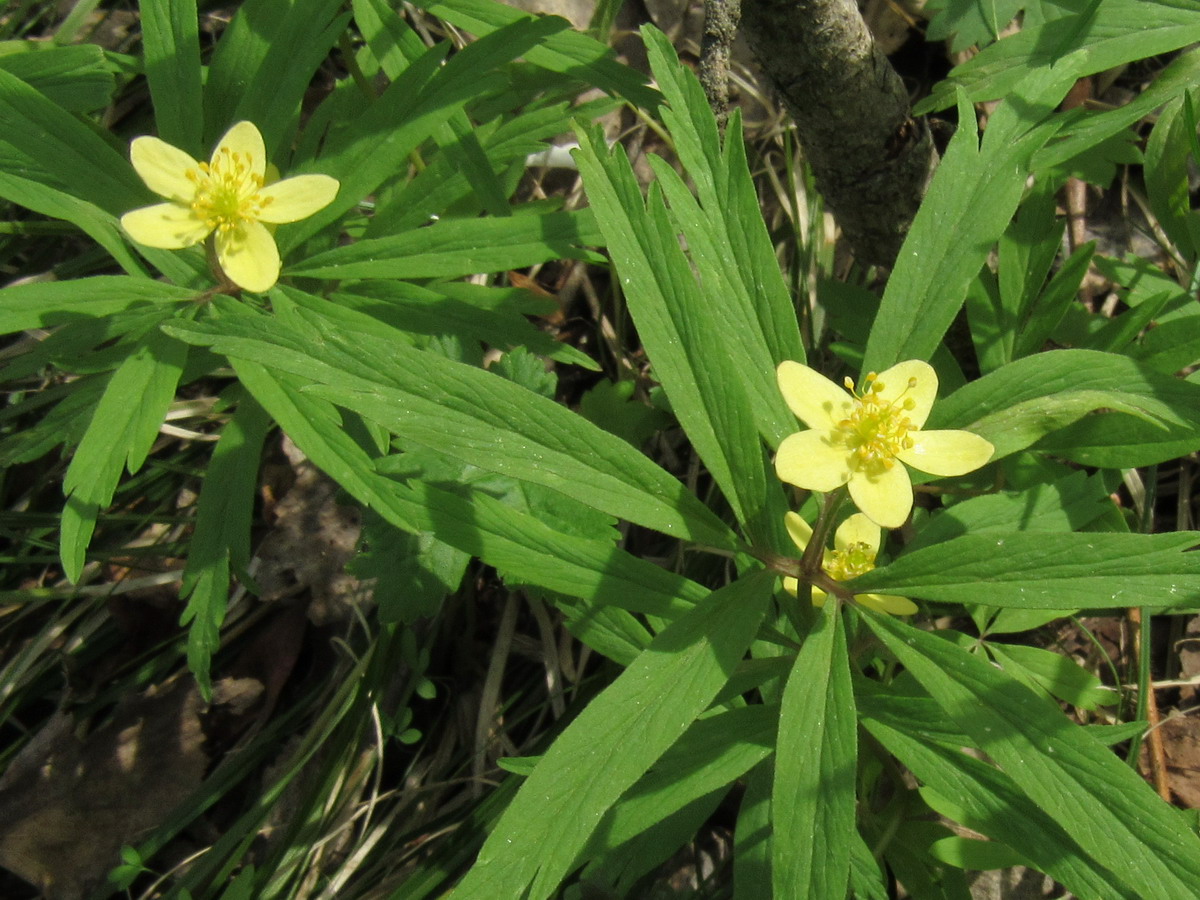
<point x="856" y="436"/>
<point x="856" y="544"/>
<point x="226" y="195"/>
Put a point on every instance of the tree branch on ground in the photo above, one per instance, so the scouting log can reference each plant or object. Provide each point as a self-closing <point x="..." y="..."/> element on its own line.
<point x="871" y="158"/>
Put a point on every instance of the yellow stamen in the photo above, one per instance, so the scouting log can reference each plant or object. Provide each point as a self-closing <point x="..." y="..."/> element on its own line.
<point x="876" y="431"/>
<point x="227" y="191"/>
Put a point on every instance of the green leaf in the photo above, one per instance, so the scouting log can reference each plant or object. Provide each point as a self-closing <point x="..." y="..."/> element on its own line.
<point x="613" y="742"/>
<point x="48" y="304"/>
<point x="971" y="21"/>
<point x="726" y="234"/>
<point x="866" y="878"/>
<point x="970" y="853"/>
<point x="564" y="51"/>
<point x="970" y="201"/>
<point x="78" y="78"/>
<point x="712" y="754"/>
<point x="454" y="248"/>
<point x="619" y="870"/>
<point x="171" y="42"/>
<point x="93" y="221"/>
<point x="753" y="836"/>
<point x="680" y="329"/>
<point x="491" y="315"/>
<point x="1048" y="309"/>
<point x="263" y="65"/>
<point x="814" y="797"/>
<point x="220" y="543"/>
<point x="415" y="572"/>
<point x="1053" y="672"/>
<point x="471" y="415"/>
<point x="612" y="406"/>
<point x="120" y="435"/>
<point x="1170" y="346"/>
<point x="441" y="188"/>
<point x="1103" y="804"/>
<point x="70" y="152"/>
<point x="1037" y="571"/>
<point x="1023" y="402"/>
<point x="1111" y="33"/>
<point x="519" y="544"/>
<point x="1088" y="129"/>
<point x="376" y="145"/>
<point x="1069" y="504"/>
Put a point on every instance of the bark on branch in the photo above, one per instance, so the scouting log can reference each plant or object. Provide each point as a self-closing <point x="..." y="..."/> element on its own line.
<point x="871" y="159"/>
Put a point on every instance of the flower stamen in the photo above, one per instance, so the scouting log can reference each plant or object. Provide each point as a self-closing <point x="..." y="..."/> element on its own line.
<point x="876" y="430"/>
<point x="227" y="191"/>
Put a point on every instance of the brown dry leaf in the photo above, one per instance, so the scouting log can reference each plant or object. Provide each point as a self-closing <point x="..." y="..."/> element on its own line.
<point x="308" y="548"/>
<point x="1181" y="741"/>
<point x="67" y="804"/>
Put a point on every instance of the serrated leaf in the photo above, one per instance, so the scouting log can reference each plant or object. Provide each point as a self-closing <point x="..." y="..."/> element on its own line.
<point x="1104" y="805"/>
<point x="1039" y="571"/>
<point x="1055" y="673"/>
<point x="971" y="21"/>
<point x="220" y="544"/>
<point x="813" y="801"/>
<point x="171" y="42"/>
<point x="482" y="526"/>
<point x="453" y="248"/>
<point x="970" y="201"/>
<point x="1032" y="398"/>
<point x="712" y="754"/>
<point x="47" y="304"/>
<point x="78" y="78"/>
<point x="613" y="742"/>
<point x="473" y="415"/>
<point x="414" y="572"/>
<point x="263" y="65"/>
<point x="1111" y="33"/>
<point x="120" y="435"/>
<point x="565" y="51"/>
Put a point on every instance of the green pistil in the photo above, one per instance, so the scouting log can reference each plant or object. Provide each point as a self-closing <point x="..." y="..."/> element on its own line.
<point x="842" y="565"/>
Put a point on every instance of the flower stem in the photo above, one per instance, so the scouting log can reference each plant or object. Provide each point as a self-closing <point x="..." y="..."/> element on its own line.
<point x="814" y="553"/>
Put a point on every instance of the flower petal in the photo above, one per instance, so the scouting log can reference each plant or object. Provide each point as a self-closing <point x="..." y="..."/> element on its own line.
<point x="799" y="530"/>
<point x="946" y="452"/>
<point x="297" y="197"/>
<point x="164" y="168"/>
<point x="791" y="585"/>
<point x="246" y="140"/>
<point x="249" y="257"/>
<point x="923" y="392"/>
<point x="809" y="460"/>
<point x="888" y="603"/>
<point x="818" y="597"/>
<point x="857" y="529"/>
<point x="886" y="499"/>
<point x="814" y="399"/>
<point x="167" y="226"/>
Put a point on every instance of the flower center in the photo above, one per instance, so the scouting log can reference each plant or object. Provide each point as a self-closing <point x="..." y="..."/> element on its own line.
<point x="227" y="191"/>
<point x="876" y="430"/>
<point x="842" y="565"/>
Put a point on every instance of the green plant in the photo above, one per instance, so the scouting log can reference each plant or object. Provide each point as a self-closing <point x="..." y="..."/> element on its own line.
<point x="367" y="353"/>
